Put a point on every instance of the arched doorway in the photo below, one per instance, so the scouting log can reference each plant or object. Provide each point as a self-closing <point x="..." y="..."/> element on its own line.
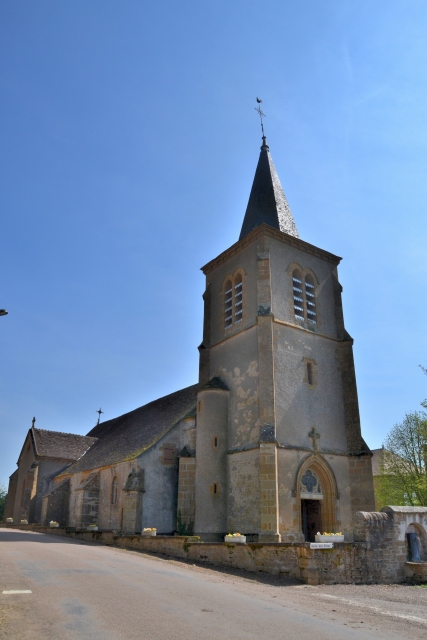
<point x="316" y="496"/>
<point x="416" y="543"/>
<point x="311" y="495"/>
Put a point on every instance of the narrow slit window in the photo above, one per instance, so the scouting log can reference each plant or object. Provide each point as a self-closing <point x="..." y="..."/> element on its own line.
<point x="114" y="491"/>
<point x="310" y="300"/>
<point x="228" y="304"/>
<point x="215" y="488"/>
<point x="298" y="295"/>
<point x="238" y="299"/>
<point x="310" y="378"/>
<point x="216" y="441"/>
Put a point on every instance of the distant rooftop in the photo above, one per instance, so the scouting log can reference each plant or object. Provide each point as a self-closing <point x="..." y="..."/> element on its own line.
<point x="55" y="444"/>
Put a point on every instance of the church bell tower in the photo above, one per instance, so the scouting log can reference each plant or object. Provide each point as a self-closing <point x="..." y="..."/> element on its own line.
<point x="279" y="452"/>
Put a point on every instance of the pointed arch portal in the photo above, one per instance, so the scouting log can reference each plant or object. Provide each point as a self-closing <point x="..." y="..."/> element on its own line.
<point x="316" y="497"/>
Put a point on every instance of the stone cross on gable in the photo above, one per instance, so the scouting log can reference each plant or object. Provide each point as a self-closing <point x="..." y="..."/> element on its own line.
<point x="33" y="422"/>
<point x="314" y="436"/>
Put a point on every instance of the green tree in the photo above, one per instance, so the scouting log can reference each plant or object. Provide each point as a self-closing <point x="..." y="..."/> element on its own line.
<point x="3" y="494"/>
<point x="403" y="470"/>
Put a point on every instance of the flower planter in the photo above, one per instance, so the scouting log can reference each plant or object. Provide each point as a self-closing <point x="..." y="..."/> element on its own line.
<point x="53" y="525"/>
<point x="92" y="527"/>
<point x="235" y="539"/>
<point x="329" y="538"/>
<point x="23" y="522"/>
<point x="148" y="534"/>
<point x="9" y="520"/>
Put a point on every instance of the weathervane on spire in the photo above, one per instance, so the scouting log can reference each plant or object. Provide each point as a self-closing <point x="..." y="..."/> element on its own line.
<point x="261" y="115"/>
<point x="99" y="414"/>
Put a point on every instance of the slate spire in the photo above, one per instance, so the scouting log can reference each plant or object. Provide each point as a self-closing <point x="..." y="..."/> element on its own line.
<point x="267" y="201"/>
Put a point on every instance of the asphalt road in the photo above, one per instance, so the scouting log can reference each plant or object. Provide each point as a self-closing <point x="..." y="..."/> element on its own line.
<point x="86" y="591"/>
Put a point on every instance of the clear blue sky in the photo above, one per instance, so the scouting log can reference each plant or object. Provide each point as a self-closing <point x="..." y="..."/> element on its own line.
<point x="129" y="144"/>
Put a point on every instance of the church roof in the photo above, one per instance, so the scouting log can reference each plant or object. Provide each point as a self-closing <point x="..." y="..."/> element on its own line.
<point x="216" y="383"/>
<point x="267" y="201"/>
<point x="129" y="435"/>
<point x="55" y="444"/>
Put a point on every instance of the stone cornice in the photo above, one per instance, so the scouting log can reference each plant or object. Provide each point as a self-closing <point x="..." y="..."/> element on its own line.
<point x="255" y="445"/>
<point x="313" y="333"/>
<point x="266" y="230"/>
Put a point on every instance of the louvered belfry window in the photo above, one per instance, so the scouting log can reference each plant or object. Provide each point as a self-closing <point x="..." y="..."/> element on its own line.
<point x="228" y="304"/>
<point x="238" y="299"/>
<point x="298" y="295"/>
<point x="304" y="297"/>
<point x="310" y="300"/>
<point x="233" y="301"/>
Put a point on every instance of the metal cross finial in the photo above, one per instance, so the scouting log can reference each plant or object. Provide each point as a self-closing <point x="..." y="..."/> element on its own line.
<point x="99" y="414"/>
<point x="261" y="115"/>
<point x="33" y="422"/>
<point x="314" y="436"/>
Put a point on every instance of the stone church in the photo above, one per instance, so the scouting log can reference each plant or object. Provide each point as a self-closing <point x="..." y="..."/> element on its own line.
<point x="268" y="443"/>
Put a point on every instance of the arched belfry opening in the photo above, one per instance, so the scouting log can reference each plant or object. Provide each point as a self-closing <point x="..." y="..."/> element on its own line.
<point x="317" y="495"/>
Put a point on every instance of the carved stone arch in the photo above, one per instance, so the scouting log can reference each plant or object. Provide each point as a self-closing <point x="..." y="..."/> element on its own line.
<point x="308" y="271"/>
<point x="241" y="271"/>
<point x="322" y="469"/>
<point x="294" y="265"/>
<point x="228" y="278"/>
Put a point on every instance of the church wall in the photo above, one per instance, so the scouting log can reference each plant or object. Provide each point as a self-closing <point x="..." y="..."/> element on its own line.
<point x="186" y="505"/>
<point x="244" y="492"/>
<point x="55" y="505"/>
<point x="235" y="361"/>
<point x="345" y="514"/>
<point x="288" y="462"/>
<point x="47" y="469"/>
<point x="159" y="499"/>
<point x="25" y="486"/>
<point x="300" y="406"/>
<point x="211" y="461"/>
<point x="111" y="515"/>
<point x="159" y="504"/>
<point x="11" y="495"/>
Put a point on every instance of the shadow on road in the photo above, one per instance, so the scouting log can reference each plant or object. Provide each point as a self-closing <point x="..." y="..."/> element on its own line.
<point x="258" y="577"/>
<point x="15" y="535"/>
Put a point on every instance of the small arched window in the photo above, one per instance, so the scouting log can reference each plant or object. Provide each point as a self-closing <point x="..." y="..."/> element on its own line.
<point x="238" y="298"/>
<point x="310" y="299"/>
<point x="114" y="491"/>
<point x="298" y="294"/>
<point x="228" y="304"/>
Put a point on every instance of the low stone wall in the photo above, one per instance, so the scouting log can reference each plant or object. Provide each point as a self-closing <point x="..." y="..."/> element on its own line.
<point x="378" y="553"/>
<point x="345" y="563"/>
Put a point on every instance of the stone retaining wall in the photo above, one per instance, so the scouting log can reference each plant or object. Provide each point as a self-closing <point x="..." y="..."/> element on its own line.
<point x="378" y="553"/>
<point x="345" y="563"/>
